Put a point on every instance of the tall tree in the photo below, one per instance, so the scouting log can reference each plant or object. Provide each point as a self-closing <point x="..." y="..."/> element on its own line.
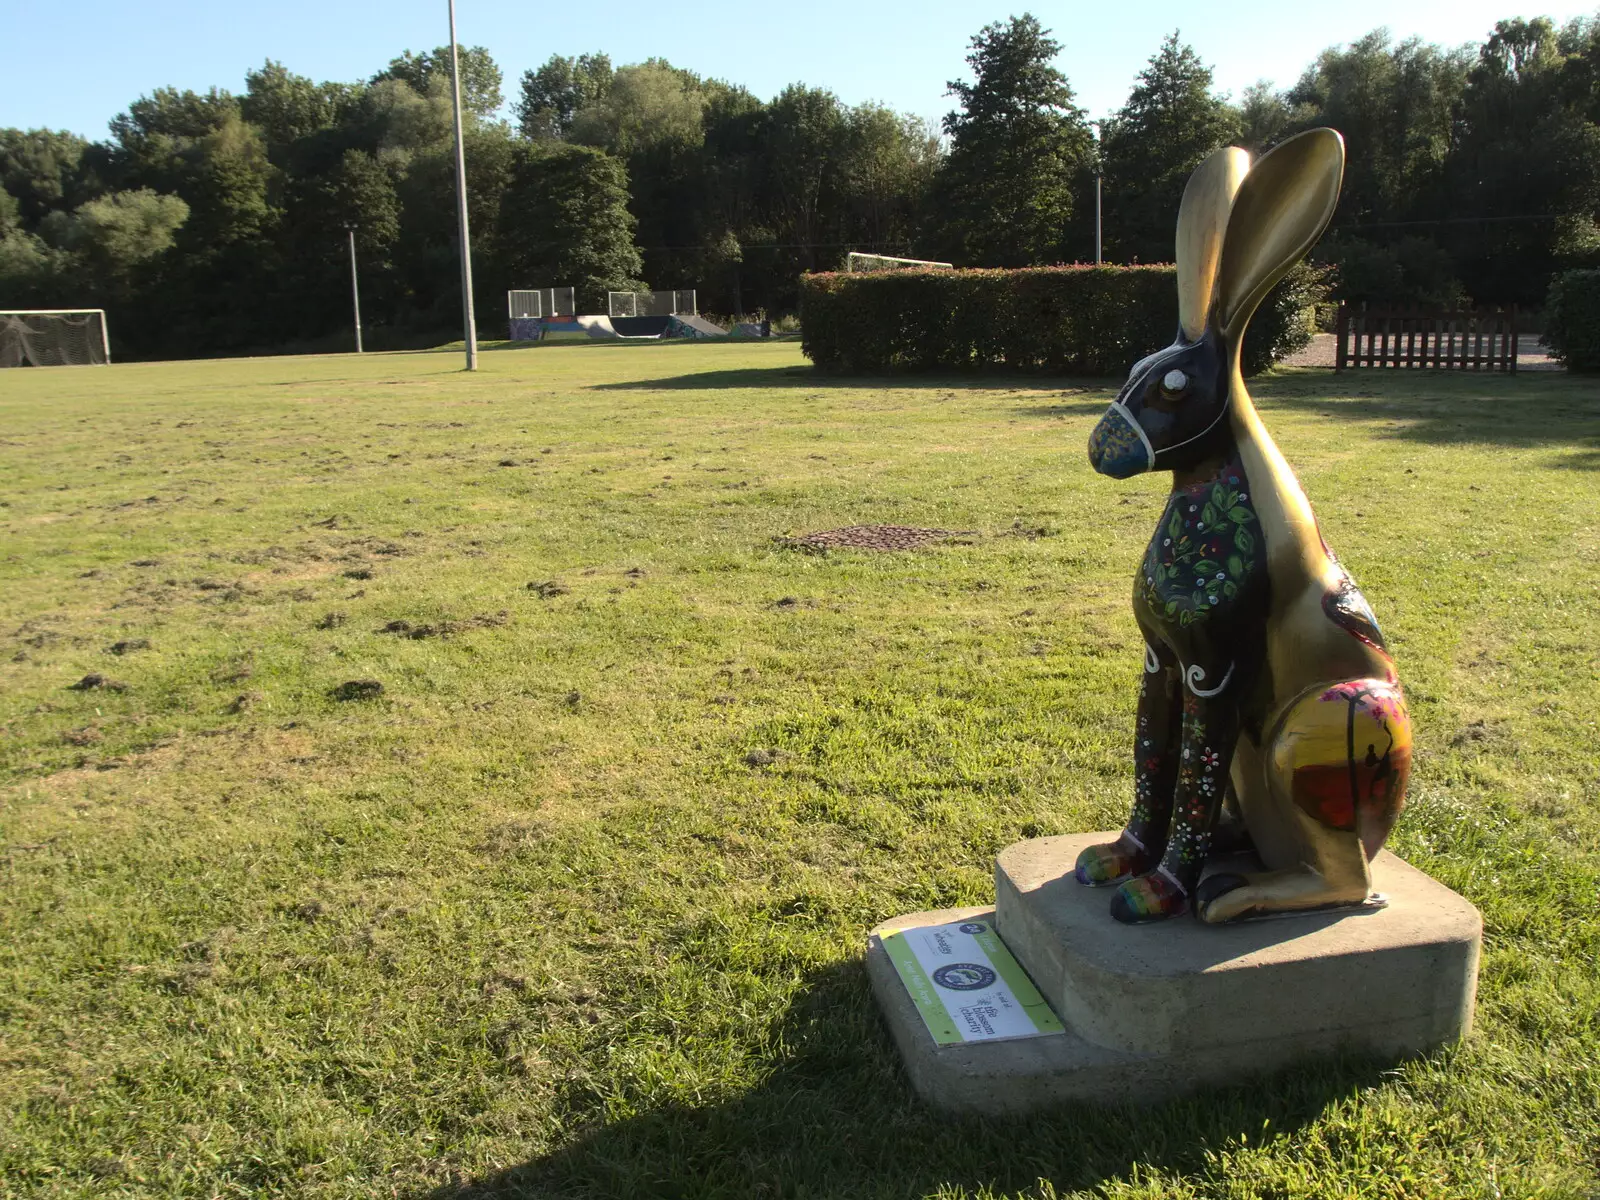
<point x="555" y="93"/>
<point x="1265" y="117"/>
<point x="804" y="140"/>
<point x="10" y="214"/>
<point x="647" y="106"/>
<point x="730" y="203"/>
<point x="566" y="223"/>
<point x="1171" y="121"/>
<point x="430" y="71"/>
<point x="200" y="148"/>
<point x="886" y="162"/>
<point x="1018" y="145"/>
<point x="653" y="118"/>
<point x="355" y="193"/>
<point x="116" y="232"/>
<point x="287" y="107"/>
<point x="1396" y="105"/>
<point x="46" y="171"/>
<point x="28" y="266"/>
<point x="1523" y="186"/>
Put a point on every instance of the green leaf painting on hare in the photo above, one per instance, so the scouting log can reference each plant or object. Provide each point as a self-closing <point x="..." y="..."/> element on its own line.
<point x="1269" y="707"/>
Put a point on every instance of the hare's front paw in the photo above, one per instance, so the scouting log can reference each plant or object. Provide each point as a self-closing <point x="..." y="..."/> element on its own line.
<point x="1152" y="897"/>
<point x="1111" y="862"/>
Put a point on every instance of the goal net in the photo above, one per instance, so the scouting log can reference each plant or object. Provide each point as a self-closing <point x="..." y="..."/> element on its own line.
<point x="856" y="262"/>
<point x="651" y="304"/>
<point x="64" y="337"/>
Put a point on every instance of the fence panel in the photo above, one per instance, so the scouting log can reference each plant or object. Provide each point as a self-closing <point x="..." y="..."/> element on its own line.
<point x="1411" y="337"/>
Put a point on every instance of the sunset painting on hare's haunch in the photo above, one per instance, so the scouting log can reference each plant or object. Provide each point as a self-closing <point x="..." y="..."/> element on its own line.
<point x="1270" y="715"/>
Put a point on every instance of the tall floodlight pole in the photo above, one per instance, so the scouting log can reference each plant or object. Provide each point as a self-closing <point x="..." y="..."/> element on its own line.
<point x="461" y="202"/>
<point x="355" y="288"/>
<point x="1097" y="218"/>
<point x="1099" y="172"/>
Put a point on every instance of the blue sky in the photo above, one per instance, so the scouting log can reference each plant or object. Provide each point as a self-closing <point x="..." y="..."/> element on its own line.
<point x="900" y="53"/>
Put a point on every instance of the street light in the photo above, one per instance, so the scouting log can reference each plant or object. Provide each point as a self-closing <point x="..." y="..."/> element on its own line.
<point x="461" y="202"/>
<point x="1097" y="216"/>
<point x="355" y="288"/>
<point x="1099" y="170"/>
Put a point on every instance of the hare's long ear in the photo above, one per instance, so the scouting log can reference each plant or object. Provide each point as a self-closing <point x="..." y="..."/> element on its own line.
<point x="1281" y="209"/>
<point x="1202" y="221"/>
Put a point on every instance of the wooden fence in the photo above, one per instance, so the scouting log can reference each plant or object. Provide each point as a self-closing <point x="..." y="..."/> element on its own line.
<point x="1475" y="339"/>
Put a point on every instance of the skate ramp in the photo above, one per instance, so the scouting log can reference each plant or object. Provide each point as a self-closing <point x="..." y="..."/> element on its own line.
<point x="687" y="325"/>
<point x="595" y="327"/>
<point x="640" y="327"/>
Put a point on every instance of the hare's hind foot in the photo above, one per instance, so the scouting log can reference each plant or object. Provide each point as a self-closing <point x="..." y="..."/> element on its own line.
<point x="1151" y="897"/>
<point x="1228" y="897"/>
<point x="1107" y="863"/>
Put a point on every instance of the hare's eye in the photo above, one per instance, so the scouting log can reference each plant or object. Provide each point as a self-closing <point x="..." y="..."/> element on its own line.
<point x="1174" y="381"/>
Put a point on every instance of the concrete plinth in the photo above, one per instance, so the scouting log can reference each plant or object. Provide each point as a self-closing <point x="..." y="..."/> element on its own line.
<point x="1154" y="1010"/>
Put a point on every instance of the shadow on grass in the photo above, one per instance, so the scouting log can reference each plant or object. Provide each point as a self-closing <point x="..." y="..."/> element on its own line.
<point x="1089" y="406"/>
<point x="810" y="377"/>
<point x="1524" y="411"/>
<point x="836" y="1117"/>
<point x="572" y="342"/>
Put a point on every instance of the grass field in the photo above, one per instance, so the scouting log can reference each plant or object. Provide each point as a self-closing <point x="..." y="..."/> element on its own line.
<point x="531" y="922"/>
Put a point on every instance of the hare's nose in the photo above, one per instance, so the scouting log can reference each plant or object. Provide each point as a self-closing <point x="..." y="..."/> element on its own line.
<point x="1118" y="447"/>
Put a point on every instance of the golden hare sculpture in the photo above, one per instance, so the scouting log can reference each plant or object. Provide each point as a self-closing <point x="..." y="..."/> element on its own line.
<point x="1266" y="681"/>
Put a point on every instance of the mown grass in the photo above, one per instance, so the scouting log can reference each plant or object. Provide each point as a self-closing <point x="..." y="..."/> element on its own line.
<point x="530" y="923"/>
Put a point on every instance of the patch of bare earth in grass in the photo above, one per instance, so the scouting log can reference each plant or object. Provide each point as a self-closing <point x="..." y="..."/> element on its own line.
<point x="873" y="537"/>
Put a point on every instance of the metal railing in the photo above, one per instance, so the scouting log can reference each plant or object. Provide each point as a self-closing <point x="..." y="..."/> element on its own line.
<point x="535" y="303"/>
<point x="651" y="304"/>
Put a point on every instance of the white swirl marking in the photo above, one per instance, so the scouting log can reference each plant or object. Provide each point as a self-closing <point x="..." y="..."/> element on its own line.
<point x="1196" y="675"/>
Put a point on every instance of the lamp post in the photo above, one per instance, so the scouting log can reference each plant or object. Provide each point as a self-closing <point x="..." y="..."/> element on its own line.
<point x="469" y="321"/>
<point x="1097" y="217"/>
<point x="355" y="287"/>
<point x="1099" y="170"/>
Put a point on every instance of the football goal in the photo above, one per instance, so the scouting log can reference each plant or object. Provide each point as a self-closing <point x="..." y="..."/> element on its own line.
<point x="54" y="337"/>
<point x="856" y="262"/>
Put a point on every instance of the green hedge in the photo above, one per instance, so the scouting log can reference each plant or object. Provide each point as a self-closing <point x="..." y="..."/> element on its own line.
<point x="1572" y="320"/>
<point x="1077" y="320"/>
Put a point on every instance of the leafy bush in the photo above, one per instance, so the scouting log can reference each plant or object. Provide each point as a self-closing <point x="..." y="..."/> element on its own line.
<point x="1287" y="318"/>
<point x="1410" y="270"/>
<point x="1572" y="320"/>
<point x="1073" y="320"/>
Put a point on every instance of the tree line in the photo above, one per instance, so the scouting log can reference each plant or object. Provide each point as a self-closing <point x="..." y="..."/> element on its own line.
<point x="217" y="222"/>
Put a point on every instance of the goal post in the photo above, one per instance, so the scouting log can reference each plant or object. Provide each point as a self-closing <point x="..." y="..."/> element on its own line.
<point x="858" y="263"/>
<point x="54" y="337"/>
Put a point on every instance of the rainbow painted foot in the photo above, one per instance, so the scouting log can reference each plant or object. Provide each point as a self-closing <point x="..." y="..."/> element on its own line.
<point x="1152" y="897"/>
<point x="1110" y="862"/>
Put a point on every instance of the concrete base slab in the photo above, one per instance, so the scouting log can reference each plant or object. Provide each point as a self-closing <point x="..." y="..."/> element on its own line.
<point x="1156" y="1010"/>
<point x="1386" y="980"/>
<point x="999" y="1077"/>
